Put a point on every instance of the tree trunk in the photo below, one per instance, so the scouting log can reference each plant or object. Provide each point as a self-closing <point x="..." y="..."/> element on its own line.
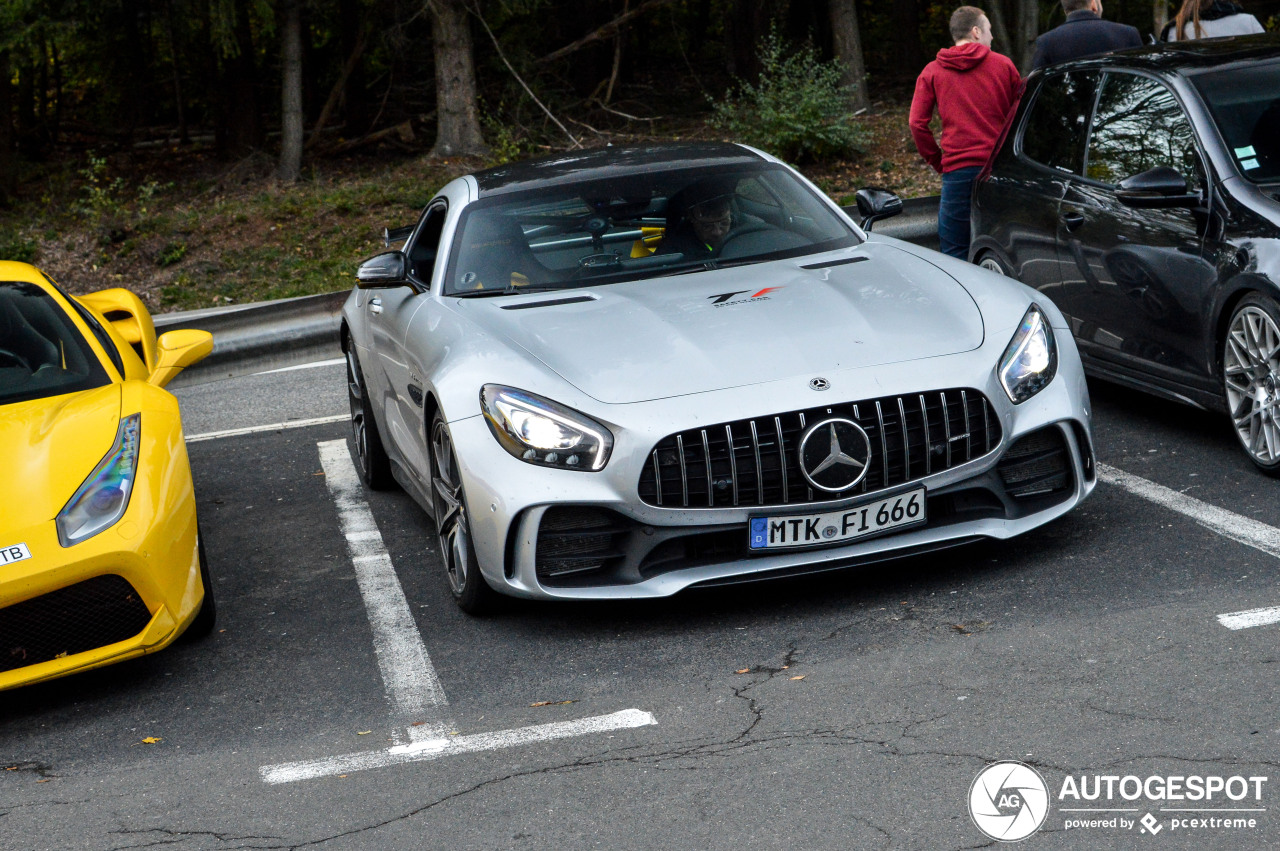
<point x="1160" y="15"/>
<point x="1027" y="28"/>
<point x="290" y="165"/>
<point x="457" y="116"/>
<point x="240" y="127"/>
<point x="906" y="19"/>
<point x="355" y="98"/>
<point x="847" y="46"/>
<point x="184" y="135"/>
<point x="8" y="162"/>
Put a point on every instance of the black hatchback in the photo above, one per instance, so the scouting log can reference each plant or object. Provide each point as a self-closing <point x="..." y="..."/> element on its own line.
<point x="1141" y="192"/>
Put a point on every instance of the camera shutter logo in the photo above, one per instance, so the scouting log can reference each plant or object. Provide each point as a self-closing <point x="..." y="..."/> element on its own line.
<point x="1008" y="801"/>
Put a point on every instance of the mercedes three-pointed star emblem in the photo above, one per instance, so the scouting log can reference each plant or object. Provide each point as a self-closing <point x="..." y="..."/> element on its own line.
<point x="834" y="454"/>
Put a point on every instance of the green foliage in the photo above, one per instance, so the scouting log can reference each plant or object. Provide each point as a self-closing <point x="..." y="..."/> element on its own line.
<point x="171" y="253"/>
<point x="504" y="144"/>
<point x="797" y="110"/>
<point x="14" y="246"/>
<point x="100" y="196"/>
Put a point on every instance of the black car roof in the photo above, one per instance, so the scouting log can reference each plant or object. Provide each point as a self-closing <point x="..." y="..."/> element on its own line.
<point x="1186" y="56"/>
<point x="608" y="162"/>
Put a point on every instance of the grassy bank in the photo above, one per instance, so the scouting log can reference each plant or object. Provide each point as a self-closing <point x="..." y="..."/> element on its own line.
<point x="185" y="231"/>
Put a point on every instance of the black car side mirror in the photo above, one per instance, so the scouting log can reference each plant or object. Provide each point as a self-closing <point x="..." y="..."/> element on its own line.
<point x="877" y="204"/>
<point x="1158" y="187"/>
<point x="388" y="269"/>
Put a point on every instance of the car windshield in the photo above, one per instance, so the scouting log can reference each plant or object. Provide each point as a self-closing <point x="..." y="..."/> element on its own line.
<point x="1245" y="103"/>
<point x="638" y="226"/>
<point x="41" y="352"/>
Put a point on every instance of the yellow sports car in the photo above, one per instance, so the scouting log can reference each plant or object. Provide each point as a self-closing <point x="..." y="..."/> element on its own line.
<point x="100" y="560"/>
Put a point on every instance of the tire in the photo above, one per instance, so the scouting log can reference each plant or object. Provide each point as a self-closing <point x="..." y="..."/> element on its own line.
<point x="989" y="261"/>
<point x="1251" y="379"/>
<point x="453" y="526"/>
<point x="371" y="458"/>
<point x="205" y="619"/>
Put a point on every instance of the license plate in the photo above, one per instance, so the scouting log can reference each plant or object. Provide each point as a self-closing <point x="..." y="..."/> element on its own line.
<point x="779" y="532"/>
<point x="14" y="552"/>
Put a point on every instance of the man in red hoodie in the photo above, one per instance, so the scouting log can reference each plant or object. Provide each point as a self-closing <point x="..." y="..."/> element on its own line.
<point x="974" y="90"/>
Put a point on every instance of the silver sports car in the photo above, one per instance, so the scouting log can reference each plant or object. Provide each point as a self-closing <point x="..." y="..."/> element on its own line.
<point x="623" y="372"/>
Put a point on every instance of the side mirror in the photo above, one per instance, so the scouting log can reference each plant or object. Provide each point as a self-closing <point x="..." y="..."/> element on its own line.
<point x="388" y="269"/>
<point x="177" y="350"/>
<point x="1158" y="187"/>
<point x="877" y="204"/>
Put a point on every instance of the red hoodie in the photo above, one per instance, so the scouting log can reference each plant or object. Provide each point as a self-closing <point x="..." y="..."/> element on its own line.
<point x="974" y="90"/>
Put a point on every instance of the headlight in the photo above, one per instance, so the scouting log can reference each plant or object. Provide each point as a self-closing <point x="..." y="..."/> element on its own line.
<point x="1031" y="359"/>
<point x="104" y="496"/>
<point x="542" y="432"/>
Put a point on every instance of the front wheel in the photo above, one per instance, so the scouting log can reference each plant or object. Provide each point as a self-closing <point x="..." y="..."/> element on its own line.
<point x="992" y="263"/>
<point x="1251" y="379"/>
<point x="371" y="457"/>
<point x="453" y="526"/>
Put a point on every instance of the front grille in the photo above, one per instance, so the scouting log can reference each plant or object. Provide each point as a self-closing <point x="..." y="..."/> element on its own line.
<point x="84" y="616"/>
<point x="1036" y="465"/>
<point x="756" y="463"/>
<point x="577" y="543"/>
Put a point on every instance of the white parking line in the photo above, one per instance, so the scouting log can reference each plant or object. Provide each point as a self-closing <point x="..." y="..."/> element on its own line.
<point x="411" y="682"/>
<point x="1250" y="617"/>
<point x="1249" y="532"/>
<point x="290" y="772"/>
<point x="1246" y="531"/>
<point x="312" y="365"/>
<point x="236" y="432"/>
<point x="410" y="678"/>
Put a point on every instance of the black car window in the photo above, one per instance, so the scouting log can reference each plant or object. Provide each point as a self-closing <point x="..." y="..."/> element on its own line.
<point x="1059" y="119"/>
<point x="41" y="351"/>
<point x="422" y="254"/>
<point x="1245" y="104"/>
<point x="1140" y="125"/>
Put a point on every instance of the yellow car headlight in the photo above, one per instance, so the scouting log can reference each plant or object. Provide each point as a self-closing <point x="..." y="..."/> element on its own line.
<point x="104" y="496"/>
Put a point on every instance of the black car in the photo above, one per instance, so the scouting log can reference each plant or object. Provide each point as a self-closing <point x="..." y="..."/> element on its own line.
<point x="1141" y="192"/>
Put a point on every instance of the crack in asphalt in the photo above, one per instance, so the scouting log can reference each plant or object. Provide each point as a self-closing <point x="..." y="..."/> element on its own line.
<point x="1133" y="716"/>
<point x="176" y="836"/>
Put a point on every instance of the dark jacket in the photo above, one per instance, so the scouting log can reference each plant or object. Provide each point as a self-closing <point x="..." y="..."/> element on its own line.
<point x="1083" y="34"/>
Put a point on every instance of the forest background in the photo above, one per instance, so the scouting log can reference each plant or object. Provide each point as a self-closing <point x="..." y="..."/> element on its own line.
<point x="205" y="152"/>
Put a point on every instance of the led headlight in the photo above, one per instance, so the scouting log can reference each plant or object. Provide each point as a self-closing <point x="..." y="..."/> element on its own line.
<point x="540" y="431"/>
<point x="104" y="496"/>
<point x="1031" y="359"/>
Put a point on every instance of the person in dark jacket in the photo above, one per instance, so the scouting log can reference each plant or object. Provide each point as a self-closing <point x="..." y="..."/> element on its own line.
<point x="974" y="90"/>
<point x="1210" y="19"/>
<point x="1084" y="33"/>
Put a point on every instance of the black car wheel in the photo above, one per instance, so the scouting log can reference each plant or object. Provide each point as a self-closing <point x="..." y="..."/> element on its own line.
<point x="1251" y="378"/>
<point x="208" y="614"/>
<point x="453" y="525"/>
<point x="371" y="457"/>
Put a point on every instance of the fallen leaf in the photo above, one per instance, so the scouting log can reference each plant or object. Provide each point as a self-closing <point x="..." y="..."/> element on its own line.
<point x="151" y="740"/>
<point x="801" y="677"/>
<point x="45" y="780"/>
<point x="743" y="671"/>
<point x="342" y="777"/>
<point x="784" y="667"/>
<point x="364" y="732"/>
<point x="553" y="702"/>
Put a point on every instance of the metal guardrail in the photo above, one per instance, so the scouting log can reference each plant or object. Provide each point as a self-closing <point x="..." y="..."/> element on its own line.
<point x="272" y="334"/>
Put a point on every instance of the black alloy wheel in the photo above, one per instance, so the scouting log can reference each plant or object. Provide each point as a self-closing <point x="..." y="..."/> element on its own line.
<point x="453" y="526"/>
<point x="371" y="458"/>
<point x="1251" y="379"/>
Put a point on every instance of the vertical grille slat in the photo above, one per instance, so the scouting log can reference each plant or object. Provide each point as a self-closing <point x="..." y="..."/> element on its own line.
<point x="968" y="427"/>
<point x="733" y="460"/>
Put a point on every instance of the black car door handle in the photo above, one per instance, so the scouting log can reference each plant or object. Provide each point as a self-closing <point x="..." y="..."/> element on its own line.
<point x="1072" y="220"/>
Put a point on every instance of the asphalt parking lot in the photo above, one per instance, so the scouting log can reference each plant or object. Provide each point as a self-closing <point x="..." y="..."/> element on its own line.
<point x="343" y="702"/>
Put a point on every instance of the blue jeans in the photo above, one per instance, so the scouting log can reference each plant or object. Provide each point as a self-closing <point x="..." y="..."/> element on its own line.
<point x="953" y="211"/>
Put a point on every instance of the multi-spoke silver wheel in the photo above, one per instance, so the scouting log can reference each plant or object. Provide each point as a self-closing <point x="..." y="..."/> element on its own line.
<point x="991" y="264"/>
<point x="371" y="458"/>
<point x="453" y="525"/>
<point x="1251" y="373"/>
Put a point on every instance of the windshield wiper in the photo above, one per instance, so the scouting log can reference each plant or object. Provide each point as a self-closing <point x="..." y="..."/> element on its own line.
<point x="508" y="290"/>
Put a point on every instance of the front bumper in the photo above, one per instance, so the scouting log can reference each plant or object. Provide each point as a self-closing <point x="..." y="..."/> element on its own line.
<point x="125" y="592"/>
<point x="525" y="517"/>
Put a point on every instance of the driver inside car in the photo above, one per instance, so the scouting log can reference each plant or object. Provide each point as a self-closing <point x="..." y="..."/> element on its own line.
<point x="698" y="222"/>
